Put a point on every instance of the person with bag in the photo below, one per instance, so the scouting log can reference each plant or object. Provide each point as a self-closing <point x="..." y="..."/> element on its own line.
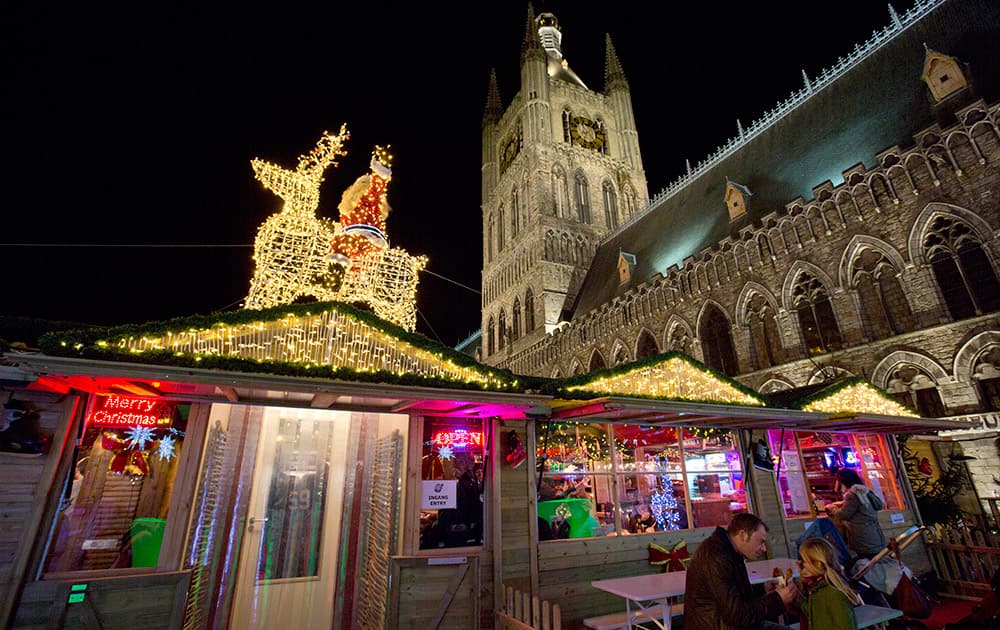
<point x="718" y="593"/>
<point x="825" y="600"/>
<point x="908" y="596"/>
<point x="858" y="514"/>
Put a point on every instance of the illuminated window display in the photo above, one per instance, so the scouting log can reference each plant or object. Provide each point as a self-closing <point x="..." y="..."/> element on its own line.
<point x="808" y="461"/>
<point x="649" y="479"/>
<point x="114" y="508"/>
<point x="452" y="477"/>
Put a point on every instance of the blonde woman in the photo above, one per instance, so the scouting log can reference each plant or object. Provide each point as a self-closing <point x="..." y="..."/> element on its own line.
<point x="825" y="601"/>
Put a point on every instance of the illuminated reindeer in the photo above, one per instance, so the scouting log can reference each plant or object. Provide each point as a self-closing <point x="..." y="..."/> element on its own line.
<point x="297" y="254"/>
<point x="292" y="247"/>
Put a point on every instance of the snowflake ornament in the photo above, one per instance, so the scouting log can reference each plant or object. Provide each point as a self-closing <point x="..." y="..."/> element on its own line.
<point x="445" y="452"/>
<point x="165" y="448"/>
<point x="137" y="437"/>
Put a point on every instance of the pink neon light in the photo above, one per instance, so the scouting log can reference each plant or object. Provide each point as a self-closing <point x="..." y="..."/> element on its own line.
<point x="459" y="438"/>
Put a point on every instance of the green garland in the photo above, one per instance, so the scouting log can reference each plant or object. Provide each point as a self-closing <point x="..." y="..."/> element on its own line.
<point x="87" y="343"/>
<point x="561" y="388"/>
<point x="839" y="386"/>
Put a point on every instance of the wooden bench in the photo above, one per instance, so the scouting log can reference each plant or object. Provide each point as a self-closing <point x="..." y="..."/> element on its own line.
<point x="618" y="620"/>
<point x="869" y="615"/>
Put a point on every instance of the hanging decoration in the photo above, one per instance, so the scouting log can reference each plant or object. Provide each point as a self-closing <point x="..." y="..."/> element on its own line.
<point x="165" y="448"/>
<point x="137" y="437"/>
<point x="445" y="453"/>
<point x="515" y="450"/>
<point x="133" y="447"/>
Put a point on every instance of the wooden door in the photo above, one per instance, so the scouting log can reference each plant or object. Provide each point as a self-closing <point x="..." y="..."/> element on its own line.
<point x="287" y="571"/>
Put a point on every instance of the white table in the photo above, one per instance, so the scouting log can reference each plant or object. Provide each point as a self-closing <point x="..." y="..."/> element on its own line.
<point x="868" y="615"/>
<point x="641" y="592"/>
<point x="761" y="571"/>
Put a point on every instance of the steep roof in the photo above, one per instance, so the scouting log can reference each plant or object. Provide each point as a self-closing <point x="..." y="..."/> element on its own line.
<point x="876" y="102"/>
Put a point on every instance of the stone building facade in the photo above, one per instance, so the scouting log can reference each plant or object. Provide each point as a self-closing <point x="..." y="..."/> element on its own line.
<point x="890" y="274"/>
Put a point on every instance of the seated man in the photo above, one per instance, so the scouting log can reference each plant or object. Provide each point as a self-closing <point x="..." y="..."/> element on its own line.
<point x="718" y="593"/>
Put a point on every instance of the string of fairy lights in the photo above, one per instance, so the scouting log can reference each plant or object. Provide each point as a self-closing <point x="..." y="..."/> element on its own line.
<point x="328" y="338"/>
<point x="859" y="397"/>
<point x="298" y="254"/>
<point x="672" y="378"/>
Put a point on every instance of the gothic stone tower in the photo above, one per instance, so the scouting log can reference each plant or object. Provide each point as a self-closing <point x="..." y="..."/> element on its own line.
<point x="561" y="170"/>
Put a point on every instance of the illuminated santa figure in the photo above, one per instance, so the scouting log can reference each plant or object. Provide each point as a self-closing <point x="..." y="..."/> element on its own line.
<point x="363" y="211"/>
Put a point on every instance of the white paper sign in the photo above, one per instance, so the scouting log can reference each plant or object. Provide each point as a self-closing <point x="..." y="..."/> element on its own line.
<point x="100" y="543"/>
<point x="896" y="519"/>
<point x="439" y="495"/>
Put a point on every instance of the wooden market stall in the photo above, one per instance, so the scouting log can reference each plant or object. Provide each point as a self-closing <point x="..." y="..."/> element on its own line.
<point x="206" y="475"/>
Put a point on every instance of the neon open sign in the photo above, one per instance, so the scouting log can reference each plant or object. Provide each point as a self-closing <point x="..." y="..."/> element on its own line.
<point x="124" y="411"/>
<point x="459" y="438"/>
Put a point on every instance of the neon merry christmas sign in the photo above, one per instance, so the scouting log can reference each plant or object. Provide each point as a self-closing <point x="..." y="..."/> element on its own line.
<point x="123" y="411"/>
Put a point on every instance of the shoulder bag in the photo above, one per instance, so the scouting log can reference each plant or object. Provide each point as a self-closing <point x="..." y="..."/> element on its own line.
<point x="908" y="596"/>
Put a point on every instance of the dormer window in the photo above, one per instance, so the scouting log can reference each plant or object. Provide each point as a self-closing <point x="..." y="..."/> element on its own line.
<point x="736" y="199"/>
<point x="943" y="75"/>
<point x="626" y="265"/>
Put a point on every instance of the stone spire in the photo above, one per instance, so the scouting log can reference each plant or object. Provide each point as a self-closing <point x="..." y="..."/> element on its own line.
<point x="494" y="107"/>
<point x="531" y="45"/>
<point x="614" y="76"/>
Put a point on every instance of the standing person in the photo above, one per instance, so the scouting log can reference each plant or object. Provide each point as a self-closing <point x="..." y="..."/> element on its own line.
<point x="858" y="513"/>
<point x="825" y="600"/>
<point x="718" y="593"/>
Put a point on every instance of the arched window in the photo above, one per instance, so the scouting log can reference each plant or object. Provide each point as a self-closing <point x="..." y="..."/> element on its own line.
<point x="679" y="340"/>
<point x="987" y="373"/>
<point x="597" y="362"/>
<point x="630" y="201"/>
<point x="765" y="344"/>
<point x="717" y="342"/>
<point x="582" y="198"/>
<point x="529" y="311"/>
<point x="515" y="320"/>
<point x="884" y="309"/>
<point x="820" y="332"/>
<point x="515" y="212"/>
<point x="610" y="206"/>
<point x="620" y="356"/>
<point x="501" y="331"/>
<point x="914" y="388"/>
<point x="566" y="118"/>
<point x="560" y="191"/>
<point x="962" y="270"/>
<point x="500" y="229"/>
<point x="489" y="241"/>
<point x="491" y="337"/>
<point x="647" y="346"/>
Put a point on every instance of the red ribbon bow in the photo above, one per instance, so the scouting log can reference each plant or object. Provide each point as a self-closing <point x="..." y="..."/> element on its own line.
<point x="672" y="558"/>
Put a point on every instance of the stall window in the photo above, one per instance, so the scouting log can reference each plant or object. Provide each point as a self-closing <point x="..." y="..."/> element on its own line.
<point x="114" y="510"/>
<point x="452" y="478"/>
<point x="602" y="480"/>
<point x="808" y="462"/>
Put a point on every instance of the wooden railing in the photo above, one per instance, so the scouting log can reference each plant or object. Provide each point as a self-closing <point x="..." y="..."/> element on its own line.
<point x="521" y="611"/>
<point x="965" y="558"/>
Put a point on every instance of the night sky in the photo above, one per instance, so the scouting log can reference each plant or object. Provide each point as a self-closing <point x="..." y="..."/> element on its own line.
<point x="136" y="126"/>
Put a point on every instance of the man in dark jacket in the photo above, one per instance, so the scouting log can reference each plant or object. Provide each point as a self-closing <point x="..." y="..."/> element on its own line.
<point x="718" y="593"/>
